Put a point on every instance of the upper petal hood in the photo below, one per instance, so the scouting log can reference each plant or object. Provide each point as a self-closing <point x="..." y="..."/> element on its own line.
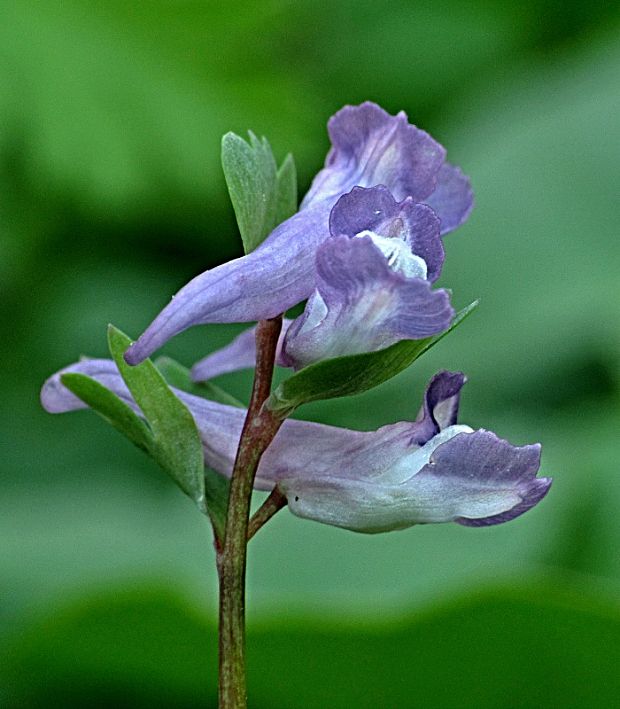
<point x="371" y="147"/>
<point x="452" y="198"/>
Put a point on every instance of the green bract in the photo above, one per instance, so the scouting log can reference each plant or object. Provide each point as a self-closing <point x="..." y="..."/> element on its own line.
<point x="110" y="407"/>
<point x="262" y="195"/>
<point x="353" y="374"/>
<point x="169" y="436"/>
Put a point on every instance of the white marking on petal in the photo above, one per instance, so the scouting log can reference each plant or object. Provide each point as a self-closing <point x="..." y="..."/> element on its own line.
<point x="443" y="411"/>
<point x="317" y="311"/>
<point x="416" y="458"/>
<point x="398" y="254"/>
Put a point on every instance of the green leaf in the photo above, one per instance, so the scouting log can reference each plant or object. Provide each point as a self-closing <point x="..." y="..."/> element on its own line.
<point x="179" y="377"/>
<point x="176" y="442"/>
<point x="251" y="175"/>
<point x="353" y="374"/>
<point x="262" y="195"/>
<point x="286" y="197"/>
<point x="110" y="407"/>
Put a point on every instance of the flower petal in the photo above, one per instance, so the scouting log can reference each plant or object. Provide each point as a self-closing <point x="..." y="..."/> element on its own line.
<point x="263" y="284"/>
<point x="57" y="399"/>
<point x="376" y="210"/>
<point x="496" y="479"/>
<point x="371" y="147"/>
<point x="361" y="305"/>
<point x="452" y="199"/>
<point x="473" y="479"/>
<point x="300" y="447"/>
<point x="219" y="425"/>
<point x="239" y="354"/>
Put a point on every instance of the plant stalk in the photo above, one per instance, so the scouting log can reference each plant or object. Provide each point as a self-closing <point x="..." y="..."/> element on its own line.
<point x="259" y="429"/>
<point x="274" y="503"/>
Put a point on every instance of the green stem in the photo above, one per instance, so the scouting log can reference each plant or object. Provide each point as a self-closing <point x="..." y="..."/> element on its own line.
<point x="259" y="429"/>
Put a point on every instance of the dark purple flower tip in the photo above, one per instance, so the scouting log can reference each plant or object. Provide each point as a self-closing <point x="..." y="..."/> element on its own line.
<point x="440" y="407"/>
<point x="375" y="209"/>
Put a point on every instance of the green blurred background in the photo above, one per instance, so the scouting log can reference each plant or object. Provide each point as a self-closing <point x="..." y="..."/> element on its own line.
<point x="111" y="116"/>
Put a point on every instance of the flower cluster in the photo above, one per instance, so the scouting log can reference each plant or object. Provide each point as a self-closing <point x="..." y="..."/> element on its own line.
<point x="364" y="251"/>
<point x="369" y="148"/>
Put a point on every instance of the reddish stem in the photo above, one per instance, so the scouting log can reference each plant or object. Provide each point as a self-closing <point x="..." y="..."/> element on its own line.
<point x="259" y="429"/>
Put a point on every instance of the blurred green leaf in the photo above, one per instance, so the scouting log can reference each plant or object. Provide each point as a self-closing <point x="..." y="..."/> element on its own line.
<point x="286" y="198"/>
<point x="149" y="90"/>
<point x="112" y="111"/>
<point x="179" y="377"/>
<point x="142" y="648"/>
<point x="345" y="376"/>
<point x="541" y="247"/>
<point x="533" y="646"/>
<point x="176" y="443"/>
<point x="110" y="407"/>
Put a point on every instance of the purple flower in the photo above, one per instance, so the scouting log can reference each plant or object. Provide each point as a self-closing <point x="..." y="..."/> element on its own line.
<point x="429" y="470"/>
<point x="373" y="280"/>
<point x="373" y="286"/>
<point x="369" y="147"/>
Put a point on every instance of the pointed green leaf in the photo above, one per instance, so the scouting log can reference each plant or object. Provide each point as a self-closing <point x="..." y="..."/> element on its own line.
<point x="262" y="194"/>
<point x="179" y="377"/>
<point x="177" y="446"/>
<point x="110" y="407"/>
<point x="251" y="175"/>
<point x="286" y="198"/>
<point x="353" y="374"/>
